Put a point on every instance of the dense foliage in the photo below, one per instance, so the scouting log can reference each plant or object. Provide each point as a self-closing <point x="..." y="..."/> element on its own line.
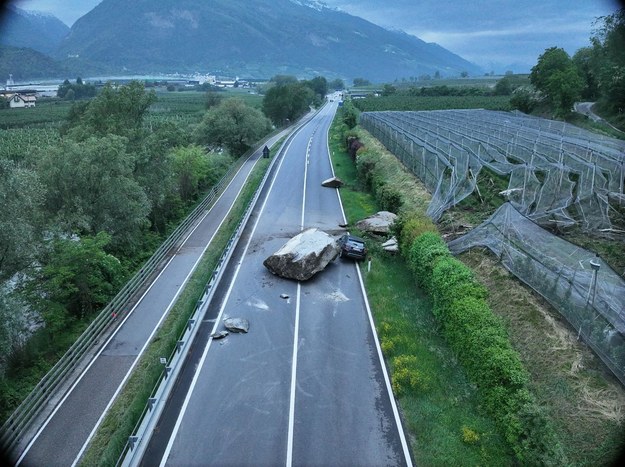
<point x="286" y="101"/>
<point x="77" y="90"/>
<point x="595" y="73"/>
<point x="232" y="125"/>
<point x="85" y="203"/>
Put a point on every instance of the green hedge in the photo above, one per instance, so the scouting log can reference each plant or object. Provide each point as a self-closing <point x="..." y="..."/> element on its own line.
<point x="481" y="343"/>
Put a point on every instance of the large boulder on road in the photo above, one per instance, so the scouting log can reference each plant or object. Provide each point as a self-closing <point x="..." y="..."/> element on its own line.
<point x="333" y="182"/>
<point x="303" y="256"/>
<point x="379" y="223"/>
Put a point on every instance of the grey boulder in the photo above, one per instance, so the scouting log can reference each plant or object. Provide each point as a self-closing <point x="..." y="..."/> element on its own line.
<point x="379" y="223"/>
<point x="303" y="256"/>
<point x="237" y="324"/>
<point x="333" y="182"/>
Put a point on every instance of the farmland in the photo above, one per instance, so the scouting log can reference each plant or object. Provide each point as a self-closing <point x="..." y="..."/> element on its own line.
<point x="405" y="102"/>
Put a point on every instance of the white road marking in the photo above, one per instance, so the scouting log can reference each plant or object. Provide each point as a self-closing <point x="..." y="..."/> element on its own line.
<point x="289" y="448"/>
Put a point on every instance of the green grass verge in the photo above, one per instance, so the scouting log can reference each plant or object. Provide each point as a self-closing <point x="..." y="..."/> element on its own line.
<point x="440" y="408"/>
<point x="113" y="433"/>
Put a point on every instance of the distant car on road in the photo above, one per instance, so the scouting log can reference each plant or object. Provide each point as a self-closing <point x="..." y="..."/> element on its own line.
<point x="352" y="247"/>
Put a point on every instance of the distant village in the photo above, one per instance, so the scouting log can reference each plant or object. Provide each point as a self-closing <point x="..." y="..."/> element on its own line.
<point x="26" y="95"/>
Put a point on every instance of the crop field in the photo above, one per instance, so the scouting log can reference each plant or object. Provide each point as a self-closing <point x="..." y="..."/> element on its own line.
<point x="14" y="143"/>
<point x="47" y="113"/>
<point x="403" y="102"/>
<point x="559" y="177"/>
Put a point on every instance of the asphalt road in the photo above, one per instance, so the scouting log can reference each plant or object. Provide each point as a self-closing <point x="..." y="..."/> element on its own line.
<point x="63" y="435"/>
<point x="306" y="385"/>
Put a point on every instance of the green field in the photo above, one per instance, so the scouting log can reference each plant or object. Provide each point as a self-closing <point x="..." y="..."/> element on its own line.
<point x="178" y="106"/>
<point x="403" y="102"/>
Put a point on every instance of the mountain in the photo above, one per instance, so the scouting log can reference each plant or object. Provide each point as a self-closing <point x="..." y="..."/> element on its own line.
<point x="256" y="38"/>
<point x="26" y="29"/>
<point x="25" y="64"/>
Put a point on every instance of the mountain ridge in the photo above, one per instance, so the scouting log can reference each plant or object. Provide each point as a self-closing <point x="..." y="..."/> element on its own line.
<point x="39" y="31"/>
<point x="258" y="38"/>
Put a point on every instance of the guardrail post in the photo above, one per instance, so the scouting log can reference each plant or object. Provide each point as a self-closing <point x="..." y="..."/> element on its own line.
<point x="151" y="402"/>
<point x="132" y="440"/>
<point x="190" y="323"/>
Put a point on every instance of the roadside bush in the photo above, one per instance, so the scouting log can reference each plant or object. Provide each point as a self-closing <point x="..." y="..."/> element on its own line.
<point x="423" y="255"/>
<point x="452" y="280"/>
<point x="408" y="227"/>
<point x="389" y="199"/>
<point x="469" y="436"/>
<point x="406" y="377"/>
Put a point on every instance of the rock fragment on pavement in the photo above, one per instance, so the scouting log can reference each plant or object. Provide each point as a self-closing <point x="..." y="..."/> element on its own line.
<point x="333" y="182"/>
<point x="237" y="324"/>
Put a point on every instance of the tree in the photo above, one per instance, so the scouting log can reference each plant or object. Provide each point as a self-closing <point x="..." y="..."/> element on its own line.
<point x="232" y="125"/>
<point x="90" y="187"/>
<point x="556" y="77"/>
<point x="22" y="196"/>
<point x="282" y="80"/>
<point x="115" y="111"/>
<point x="360" y="82"/>
<point x="503" y="87"/>
<point x="190" y="165"/>
<point x="155" y="174"/>
<point x="213" y="99"/>
<point x="319" y="86"/>
<point x="523" y="99"/>
<point x="388" y="90"/>
<point x="586" y="63"/>
<point x="287" y="102"/>
<point x="564" y="88"/>
<point x="80" y="275"/>
<point x="337" y="84"/>
<point x="464" y="74"/>
<point x="610" y="62"/>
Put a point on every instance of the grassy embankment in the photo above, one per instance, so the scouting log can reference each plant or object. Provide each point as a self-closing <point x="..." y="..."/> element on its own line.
<point x="581" y="402"/>
<point x="121" y="419"/>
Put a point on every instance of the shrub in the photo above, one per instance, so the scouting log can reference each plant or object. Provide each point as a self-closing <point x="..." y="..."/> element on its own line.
<point x="424" y="253"/>
<point x="408" y="227"/>
<point x="406" y="377"/>
<point x="469" y="436"/>
<point x="451" y="280"/>
<point x="389" y="198"/>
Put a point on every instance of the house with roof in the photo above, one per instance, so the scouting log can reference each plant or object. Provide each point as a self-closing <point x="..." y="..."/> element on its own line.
<point x="18" y="100"/>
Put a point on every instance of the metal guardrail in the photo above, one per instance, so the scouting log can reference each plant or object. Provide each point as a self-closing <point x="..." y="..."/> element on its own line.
<point x="137" y="441"/>
<point x="33" y="405"/>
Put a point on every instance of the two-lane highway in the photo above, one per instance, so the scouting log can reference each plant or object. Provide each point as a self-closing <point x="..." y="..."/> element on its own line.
<point x="307" y="384"/>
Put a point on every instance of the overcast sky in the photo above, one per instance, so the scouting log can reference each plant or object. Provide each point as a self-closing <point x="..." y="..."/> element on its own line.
<point x="495" y="34"/>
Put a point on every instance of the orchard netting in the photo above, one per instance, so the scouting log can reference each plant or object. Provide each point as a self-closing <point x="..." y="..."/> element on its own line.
<point x="577" y="283"/>
<point x="559" y="175"/>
